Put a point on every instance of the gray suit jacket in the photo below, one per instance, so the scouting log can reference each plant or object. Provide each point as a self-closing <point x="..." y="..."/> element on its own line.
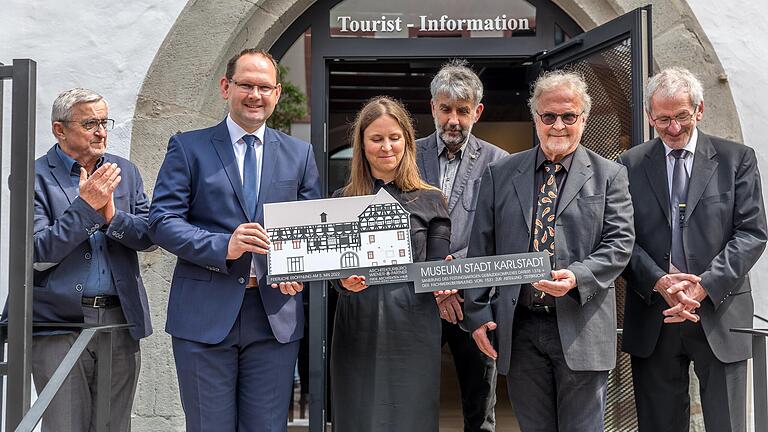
<point x="724" y="233"/>
<point x="594" y="234"/>
<point x="461" y="204"/>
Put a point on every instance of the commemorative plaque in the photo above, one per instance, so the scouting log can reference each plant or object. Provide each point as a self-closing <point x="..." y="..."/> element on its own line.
<point x="370" y="236"/>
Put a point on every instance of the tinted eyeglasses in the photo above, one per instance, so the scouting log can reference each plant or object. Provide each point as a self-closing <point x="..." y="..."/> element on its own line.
<point x="568" y="118"/>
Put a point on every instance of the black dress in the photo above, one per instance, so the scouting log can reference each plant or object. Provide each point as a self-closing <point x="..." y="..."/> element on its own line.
<point x="385" y="354"/>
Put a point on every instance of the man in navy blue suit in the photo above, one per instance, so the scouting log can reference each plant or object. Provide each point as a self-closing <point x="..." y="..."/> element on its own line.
<point x="235" y="339"/>
<point x="90" y="220"/>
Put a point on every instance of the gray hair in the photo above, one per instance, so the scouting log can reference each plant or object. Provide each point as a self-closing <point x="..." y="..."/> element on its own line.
<point x="457" y="81"/>
<point x="62" y="106"/>
<point x="670" y="82"/>
<point x="549" y="81"/>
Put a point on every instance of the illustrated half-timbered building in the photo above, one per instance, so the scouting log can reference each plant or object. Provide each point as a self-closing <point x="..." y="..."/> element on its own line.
<point x="365" y="231"/>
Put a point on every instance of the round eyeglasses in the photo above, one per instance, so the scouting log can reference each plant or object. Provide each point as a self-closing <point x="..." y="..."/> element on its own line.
<point x="568" y="118"/>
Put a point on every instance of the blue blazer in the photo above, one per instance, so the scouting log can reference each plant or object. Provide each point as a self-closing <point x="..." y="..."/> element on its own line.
<point x="64" y="222"/>
<point x="197" y="204"/>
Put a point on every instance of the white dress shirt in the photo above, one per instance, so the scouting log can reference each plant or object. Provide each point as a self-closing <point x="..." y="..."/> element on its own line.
<point x="236" y="135"/>
<point x="691" y="147"/>
<point x="688" y="161"/>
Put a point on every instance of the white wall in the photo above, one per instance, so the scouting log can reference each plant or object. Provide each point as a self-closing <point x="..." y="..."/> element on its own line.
<point x="735" y="30"/>
<point x="105" y="46"/>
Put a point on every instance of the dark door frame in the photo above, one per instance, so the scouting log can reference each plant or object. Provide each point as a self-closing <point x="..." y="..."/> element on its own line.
<point x="325" y="49"/>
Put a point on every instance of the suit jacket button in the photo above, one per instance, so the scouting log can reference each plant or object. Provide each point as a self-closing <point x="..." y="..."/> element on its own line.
<point x="666" y="256"/>
<point x="514" y="302"/>
<point x="241" y="280"/>
<point x="79" y="287"/>
<point x="87" y="255"/>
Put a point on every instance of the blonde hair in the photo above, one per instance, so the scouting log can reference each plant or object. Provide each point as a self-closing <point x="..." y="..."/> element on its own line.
<point x="407" y="172"/>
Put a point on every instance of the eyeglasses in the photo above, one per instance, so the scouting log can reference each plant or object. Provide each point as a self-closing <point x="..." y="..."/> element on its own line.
<point x="568" y="118"/>
<point x="264" y="90"/>
<point x="91" y="125"/>
<point x="683" y="119"/>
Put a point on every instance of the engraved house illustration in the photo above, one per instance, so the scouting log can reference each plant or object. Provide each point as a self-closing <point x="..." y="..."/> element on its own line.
<point x="364" y="231"/>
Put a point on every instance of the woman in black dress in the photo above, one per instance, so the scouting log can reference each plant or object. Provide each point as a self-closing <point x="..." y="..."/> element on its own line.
<point x="385" y="354"/>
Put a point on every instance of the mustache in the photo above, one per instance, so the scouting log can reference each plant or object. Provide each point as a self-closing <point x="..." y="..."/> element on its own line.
<point x="455" y="128"/>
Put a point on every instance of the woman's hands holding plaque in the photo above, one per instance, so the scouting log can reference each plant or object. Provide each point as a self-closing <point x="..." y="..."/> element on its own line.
<point x="354" y="283"/>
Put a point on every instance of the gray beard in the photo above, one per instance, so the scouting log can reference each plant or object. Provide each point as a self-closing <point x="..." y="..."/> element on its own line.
<point x="453" y="145"/>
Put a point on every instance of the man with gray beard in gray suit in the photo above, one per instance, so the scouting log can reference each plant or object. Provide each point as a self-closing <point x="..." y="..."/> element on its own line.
<point x="454" y="160"/>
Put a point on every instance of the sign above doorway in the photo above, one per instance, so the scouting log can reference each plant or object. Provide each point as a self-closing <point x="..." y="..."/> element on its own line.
<point x="403" y="19"/>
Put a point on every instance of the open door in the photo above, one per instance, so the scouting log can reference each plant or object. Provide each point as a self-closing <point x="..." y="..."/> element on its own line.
<point x="615" y="60"/>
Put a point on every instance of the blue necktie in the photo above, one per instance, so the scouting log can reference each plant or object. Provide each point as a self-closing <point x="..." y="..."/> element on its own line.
<point x="678" y="202"/>
<point x="250" y="176"/>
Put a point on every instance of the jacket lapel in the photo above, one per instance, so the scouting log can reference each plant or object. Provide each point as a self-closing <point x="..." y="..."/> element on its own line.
<point x="268" y="164"/>
<point x="581" y="171"/>
<point x="223" y="144"/>
<point x="656" y="170"/>
<point x="468" y="159"/>
<point x="61" y="174"/>
<point x="522" y="181"/>
<point x="704" y="165"/>
<point x="429" y="161"/>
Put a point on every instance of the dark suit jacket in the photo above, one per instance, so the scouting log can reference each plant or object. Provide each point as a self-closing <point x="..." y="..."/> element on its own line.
<point x="197" y="204"/>
<point x="461" y="204"/>
<point x="63" y="224"/>
<point x="594" y="234"/>
<point x="724" y="233"/>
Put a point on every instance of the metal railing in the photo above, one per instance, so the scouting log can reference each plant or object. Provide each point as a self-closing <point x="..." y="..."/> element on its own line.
<point x="23" y="76"/>
<point x="20" y="417"/>
<point x="103" y="373"/>
<point x="759" y="374"/>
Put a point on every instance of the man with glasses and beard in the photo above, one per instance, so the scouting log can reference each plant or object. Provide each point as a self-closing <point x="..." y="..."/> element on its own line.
<point x="700" y="224"/>
<point x="454" y="160"/>
<point x="556" y="339"/>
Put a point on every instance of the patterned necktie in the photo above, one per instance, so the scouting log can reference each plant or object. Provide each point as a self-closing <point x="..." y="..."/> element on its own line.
<point x="544" y="231"/>
<point x="250" y="176"/>
<point x="678" y="202"/>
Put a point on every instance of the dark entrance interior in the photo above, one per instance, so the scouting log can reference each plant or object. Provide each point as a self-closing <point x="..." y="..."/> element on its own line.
<point x="506" y="121"/>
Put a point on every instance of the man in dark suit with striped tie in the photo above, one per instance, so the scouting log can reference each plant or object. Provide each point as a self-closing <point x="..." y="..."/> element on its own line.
<point x="700" y="225"/>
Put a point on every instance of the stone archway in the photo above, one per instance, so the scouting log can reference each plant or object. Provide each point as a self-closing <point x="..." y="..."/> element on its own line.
<point x="180" y="92"/>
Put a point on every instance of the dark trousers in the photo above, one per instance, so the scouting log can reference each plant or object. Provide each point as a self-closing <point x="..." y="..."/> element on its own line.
<point x="661" y="383"/>
<point x="242" y="383"/>
<point x="74" y="407"/>
<point x="547" y="395"/>
<point x="477" y="379"/>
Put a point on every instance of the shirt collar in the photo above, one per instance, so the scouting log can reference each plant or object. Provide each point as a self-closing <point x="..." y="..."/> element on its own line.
<point x="691" y="146"/>
<point x="236" y="132"/>
<point x="441" y="147"/>
<point x="73" y="167"/>
<point x="565" y="162"/>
